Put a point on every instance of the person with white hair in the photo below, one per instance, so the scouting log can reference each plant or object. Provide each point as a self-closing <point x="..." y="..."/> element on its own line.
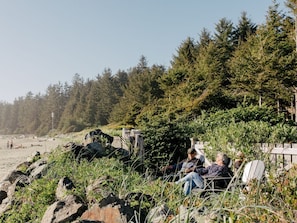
<point x="195" y="179"/>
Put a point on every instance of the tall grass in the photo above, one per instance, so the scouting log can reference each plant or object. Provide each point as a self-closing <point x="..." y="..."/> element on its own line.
<point x="269" y="202"/>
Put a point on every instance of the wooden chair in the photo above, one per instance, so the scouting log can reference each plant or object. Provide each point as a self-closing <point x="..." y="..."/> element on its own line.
<point x="216" y="183"/>
<point x="252" y="170"/>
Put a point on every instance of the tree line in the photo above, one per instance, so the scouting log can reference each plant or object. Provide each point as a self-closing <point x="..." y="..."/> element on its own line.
<point x="238" y="64"/>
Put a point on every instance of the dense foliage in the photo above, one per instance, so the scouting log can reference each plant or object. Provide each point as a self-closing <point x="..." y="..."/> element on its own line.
<point x="243" y="128"/>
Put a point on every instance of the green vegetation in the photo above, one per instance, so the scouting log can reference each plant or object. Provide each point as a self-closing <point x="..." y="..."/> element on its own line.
<point x="274" y="200"/>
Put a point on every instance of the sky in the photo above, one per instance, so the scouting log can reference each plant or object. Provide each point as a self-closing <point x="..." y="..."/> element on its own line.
<point x="47" y="42"/>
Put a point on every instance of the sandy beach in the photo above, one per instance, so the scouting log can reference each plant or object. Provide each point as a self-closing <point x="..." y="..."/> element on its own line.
<point x="23" y="148"/>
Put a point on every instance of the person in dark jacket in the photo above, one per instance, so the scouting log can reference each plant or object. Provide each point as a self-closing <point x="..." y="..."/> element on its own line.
<point x="191" y="163"/>
<point x="195" y="179"/>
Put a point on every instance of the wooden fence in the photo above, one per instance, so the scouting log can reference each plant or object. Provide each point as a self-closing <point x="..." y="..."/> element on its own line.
<point x="282" y="154"/>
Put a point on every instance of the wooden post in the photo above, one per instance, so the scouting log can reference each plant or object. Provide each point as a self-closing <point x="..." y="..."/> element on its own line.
<point x="295" y="104"/>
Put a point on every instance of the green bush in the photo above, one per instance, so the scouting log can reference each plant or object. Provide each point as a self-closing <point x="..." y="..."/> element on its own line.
<point x="242" y="128"/>
<point x="165" y="142"/>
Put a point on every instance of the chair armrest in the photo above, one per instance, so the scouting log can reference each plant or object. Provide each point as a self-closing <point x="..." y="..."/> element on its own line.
<point x="212" y="182"/>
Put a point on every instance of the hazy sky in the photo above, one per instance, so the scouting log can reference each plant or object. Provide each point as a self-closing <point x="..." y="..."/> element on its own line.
<point x="45" y="42"/>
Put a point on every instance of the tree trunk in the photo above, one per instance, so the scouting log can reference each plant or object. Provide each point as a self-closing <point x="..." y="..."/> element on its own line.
<point x="260" y="101"/>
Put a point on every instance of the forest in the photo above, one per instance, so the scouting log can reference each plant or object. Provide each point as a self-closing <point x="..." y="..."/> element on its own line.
<point x="239" y="64"/>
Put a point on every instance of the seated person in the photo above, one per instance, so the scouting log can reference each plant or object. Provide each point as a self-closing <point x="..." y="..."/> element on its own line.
<point x="191" y="163"/>
<point x="195" y="178"/>
<point x="239" y="160"/>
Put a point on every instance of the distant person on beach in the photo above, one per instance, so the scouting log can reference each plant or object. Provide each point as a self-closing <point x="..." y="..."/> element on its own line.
<point x="11" y="144"/>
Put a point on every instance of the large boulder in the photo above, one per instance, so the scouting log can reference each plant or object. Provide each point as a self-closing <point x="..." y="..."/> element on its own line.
<point x="89" y="151"/>
<point x="109" y="210"/>
<point x="66" y="210"/>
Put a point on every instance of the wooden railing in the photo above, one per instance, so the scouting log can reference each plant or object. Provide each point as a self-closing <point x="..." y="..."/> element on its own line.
<point x="282" y="154"/>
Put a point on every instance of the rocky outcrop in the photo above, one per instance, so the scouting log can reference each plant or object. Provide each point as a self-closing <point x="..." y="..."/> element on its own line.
<point x="95" y="150"/>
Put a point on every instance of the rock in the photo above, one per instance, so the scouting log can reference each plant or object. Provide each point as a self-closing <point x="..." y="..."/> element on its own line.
<point x="25" y="164"/>
<point x="5" y="185"/>
<point x="5" y="205"/>
<point x="64" y="185"/>
<point x="36" y="164"/>
<point x="64" y="211"/>
<point x="35" y="156"/>
<point x="159" y="214"/>
<point x="193" y="215"/>
<point x="110" y="210"/>
<point x="14" y="175"/>
<point x="3" y="195"/>
<point x="38" y="172"/>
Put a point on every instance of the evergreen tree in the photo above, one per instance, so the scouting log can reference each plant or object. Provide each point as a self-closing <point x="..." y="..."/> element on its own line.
<point x="264" y="67"/>
<point x="292" y="5"/>
<point x="209" y="86"/>
<point x="118" y="111"/>
<point x="30" y="118"/>
<point x="92" y="100"/>
<point x="244" y="29"/>
<point x="6" y="118"/>
<point x="51" y="107"/>
<point x="108" y="96"/>
<point x="142" y="89"/>
<point x="72" y="118"/>
<point x="186" y="55"/>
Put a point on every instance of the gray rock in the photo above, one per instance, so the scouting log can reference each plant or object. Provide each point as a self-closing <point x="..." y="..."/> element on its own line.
<point x="38" y="172"/>
<point x="3" y="195"/>
<point x="63" y="211"/>
<point x="159" y="214"/>
<point x="64" y="185"/>
<point x="14" y="175"/>
<point x="36" y="164"/>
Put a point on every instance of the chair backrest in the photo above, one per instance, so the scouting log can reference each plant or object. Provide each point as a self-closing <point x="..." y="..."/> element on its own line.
<point x="253" y="170"/>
